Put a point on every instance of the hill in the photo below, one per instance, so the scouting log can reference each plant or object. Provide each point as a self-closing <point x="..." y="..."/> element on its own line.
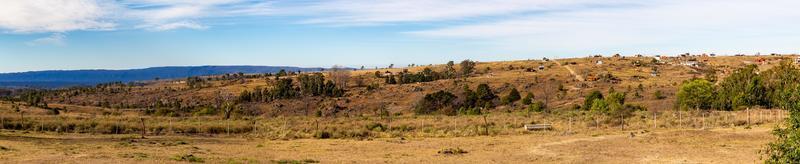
<point x="558" y="84"/>
<point x="66" y="78"/>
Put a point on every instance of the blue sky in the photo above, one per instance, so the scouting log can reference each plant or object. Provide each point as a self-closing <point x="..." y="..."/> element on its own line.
<point x="120" y="34"/>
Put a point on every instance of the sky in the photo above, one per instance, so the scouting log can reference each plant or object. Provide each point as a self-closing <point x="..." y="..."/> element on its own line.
<point x="123" y="34"/>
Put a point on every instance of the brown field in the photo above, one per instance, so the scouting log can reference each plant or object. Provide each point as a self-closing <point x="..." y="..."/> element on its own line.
<point x="724" y="145"/>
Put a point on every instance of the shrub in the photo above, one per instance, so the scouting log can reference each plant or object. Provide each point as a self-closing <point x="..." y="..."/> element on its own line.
<point x="512" y="97"/>
<point x="528" y="99"/>
<point x="695" y="94"/>
<point x="537" y="106"/>
<point x="659" y="95"/>
<point x="188" y="158"/>
<point x="322" y="135"/>
<point x="376" y="127"/>
<point x="286" y="161"/>
<point x="469" y="111"/>
<point x="452" y="151"/>
<point x="435" y="102"/>
<point x="590" y="99"/>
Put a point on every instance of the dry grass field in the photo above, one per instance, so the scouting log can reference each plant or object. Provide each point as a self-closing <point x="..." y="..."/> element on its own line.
<point x="722" y="145"/>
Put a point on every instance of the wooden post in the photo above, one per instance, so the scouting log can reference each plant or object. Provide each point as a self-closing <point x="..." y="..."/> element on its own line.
<point x="704" y="120"/>
<point x="655" y="120"/>
<point x="570" y="124"/>
<point x="485" y="125"/>
<point x="171" y="130"/>
<point x="680" y="120"/>
<point x="748" y="116"/>
<point x="622" y="122"/>
<point x="144" y="129"/>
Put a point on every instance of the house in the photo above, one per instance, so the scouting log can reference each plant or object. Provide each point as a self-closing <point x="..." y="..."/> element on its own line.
<point x="691" y="62"/>
<point x="599" y="62"/>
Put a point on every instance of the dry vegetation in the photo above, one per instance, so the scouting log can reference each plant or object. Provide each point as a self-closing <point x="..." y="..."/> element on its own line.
<point x="375" y="122"/>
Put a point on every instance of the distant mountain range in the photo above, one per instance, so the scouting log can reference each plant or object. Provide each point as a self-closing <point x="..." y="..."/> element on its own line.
<point x="67" y="78"/>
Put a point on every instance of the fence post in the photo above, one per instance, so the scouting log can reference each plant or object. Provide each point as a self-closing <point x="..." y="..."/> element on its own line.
<point x="622" y="122"/>
<point x="655" y="120"/>
<point x="680" y="120"/>
<point x="704" y="120"/>
<point x="569" y="129"/>
<point x="748" y="116"/>
<point x="144" y="129"/>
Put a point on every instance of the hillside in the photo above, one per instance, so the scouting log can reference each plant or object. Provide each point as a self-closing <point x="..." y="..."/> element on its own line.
<point x="65" y="78"/>
<point x="559" y="84"/>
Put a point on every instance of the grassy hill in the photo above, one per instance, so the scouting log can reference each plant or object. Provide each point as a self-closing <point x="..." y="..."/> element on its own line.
<point x="559" y="84"/>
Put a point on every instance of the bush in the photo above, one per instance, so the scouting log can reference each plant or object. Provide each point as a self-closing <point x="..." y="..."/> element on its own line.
<point x="537" y="106"/>
<point x="528" y="99"/>
<point x="188" y="158"/>
<point x="376" y="127"/>
<point x="512" y="97"/>
<point x="322" y="135"/>
<point x="695" y="94"/>
<point x="659" y="95"/>
<point x="452" y="151"/>
<point x="469" y="111"/>
<point x="435" y="102"/>
<point x="590" y="99"/>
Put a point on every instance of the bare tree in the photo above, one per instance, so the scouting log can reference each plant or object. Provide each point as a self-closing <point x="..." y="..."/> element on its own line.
<point x="340" y="76"/>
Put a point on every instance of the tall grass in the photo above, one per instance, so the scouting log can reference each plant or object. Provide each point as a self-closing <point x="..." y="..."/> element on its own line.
<point x="362" y="127"/>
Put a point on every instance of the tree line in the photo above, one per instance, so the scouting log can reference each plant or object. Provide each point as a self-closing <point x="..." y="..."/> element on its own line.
<point x="745" y="87"/>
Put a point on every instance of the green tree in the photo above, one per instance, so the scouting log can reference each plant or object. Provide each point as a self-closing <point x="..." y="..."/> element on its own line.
<point x="467" y="67"/>
<point x="742" y="88"/>
<point x="786" y="149"/>
<point x="512" y="97"/>
<point x="435" y="102"/>
<point x="695" y="94"/>
<point x="589" y="100"/>
<point x="528" y="99"/>
<point x="450" y="70"/>
<point x="599" y="105"/>
<point x="485" y="96"/>
<point x="779" y="82"/>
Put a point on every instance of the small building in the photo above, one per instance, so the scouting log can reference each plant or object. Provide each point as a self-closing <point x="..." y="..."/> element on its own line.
<point x="599" y="62"/>
<point x="797" y="60"/>
<point x="541" y="67"/>
<point x="692" y="63"/>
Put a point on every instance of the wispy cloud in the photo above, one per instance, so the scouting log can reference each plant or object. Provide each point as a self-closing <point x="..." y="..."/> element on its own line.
<point x="177" y="25"/>
<point x="410" y="11"/>
<point x="56" y="39"/>
<point x="43" y="16"/>
<point x="33" y="16"/>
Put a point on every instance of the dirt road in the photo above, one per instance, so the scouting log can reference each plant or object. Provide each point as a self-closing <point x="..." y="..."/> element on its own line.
<point x="577" y="77"/>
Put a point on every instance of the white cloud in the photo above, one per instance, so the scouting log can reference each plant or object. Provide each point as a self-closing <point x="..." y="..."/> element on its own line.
<point x="722" y="26"/>
<point x="378" y="12"/>
<point x="56" y="39"/>
<point x="177" y="25"/>
<point x="44" y="16"/>
<point x="32" y="16"/>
